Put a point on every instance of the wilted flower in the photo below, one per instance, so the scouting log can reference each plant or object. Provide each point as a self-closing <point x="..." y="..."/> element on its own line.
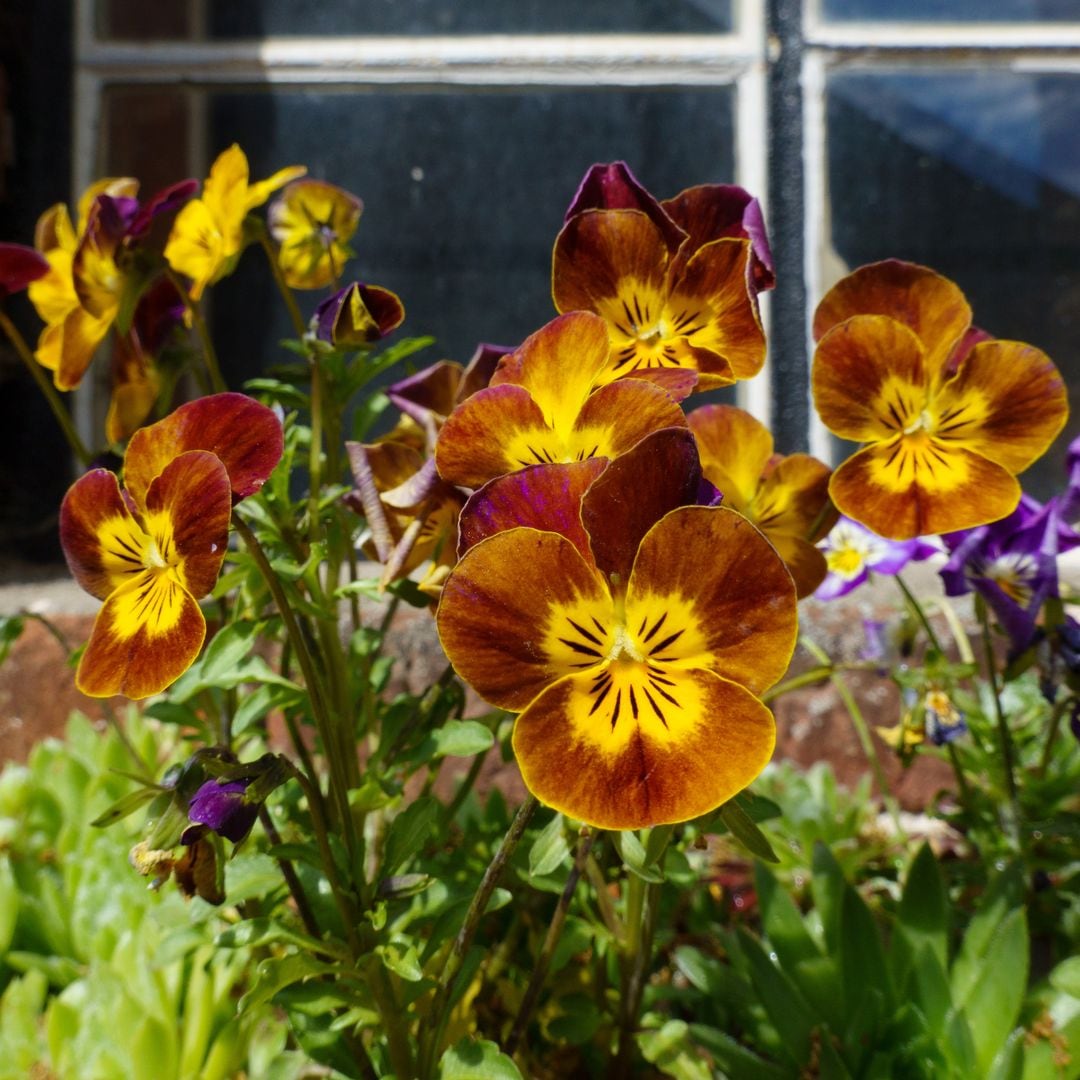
<point x="313" y="221"/>
<point x="221" y="806"/>
<point x="947" y="417"/>
<point x="357" y="315"/>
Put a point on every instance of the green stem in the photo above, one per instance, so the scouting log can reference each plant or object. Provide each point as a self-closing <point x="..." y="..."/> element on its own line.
<point x="213" y="369"/>
<point x="961" y="780"/>
<point x="467" y="784"/>
<point x="866" y="740"/>
<point x="1004" y="735"/>
<point x="641" y="903"/>
<point x="316" y="690"/>
<point x="279" y="280"/>
<point x="551" y="939"/>
<point x="816" y="675"/>
<point x="303" y="906"/>
<point x="37" y="373"/>
<point x="920" y="613"/>
<point x="603" y="898"/>
<point x="1051" y="735"/>
<point x="440" y="1009"/>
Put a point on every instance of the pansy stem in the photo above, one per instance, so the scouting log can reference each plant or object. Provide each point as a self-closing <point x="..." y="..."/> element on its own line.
<point x="303" y="907"/>
<point x="279" y="281"/>
<point x="815" y="675"/>
<point x="866" y="740"/>
<point x="37" y="373"/>
<point x="551" y="939"/>
<point x="440" y="1008"/>
<point x="919" y="612"/>
<point x="1004" y="735"/>
<point x="1051" y="734"/>
<point x="194" y="310"/>
<point x="641" y="902"/>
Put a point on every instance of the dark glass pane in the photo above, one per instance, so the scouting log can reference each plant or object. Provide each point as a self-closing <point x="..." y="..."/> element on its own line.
<point x="976" y="174"/>
<point x="464" y="194"/>
<point x="954" y="10"/>
<point x="136" y="20"/>
<point x="257" y="18"/>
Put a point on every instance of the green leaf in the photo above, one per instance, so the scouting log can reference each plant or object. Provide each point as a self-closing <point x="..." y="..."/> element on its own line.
<point x="923" y="915"/>
<point x="993" y="1001"/>
<point x="862" y="956"/>
<point x="1066" y="976"/>
<point x="781" y="921"/>
<point x="746" y="832"/>
<point x="122" y="807"/>
<point x="828" y="887"/>
<point x="734" y="1058"/>
<point x="477" y="1059"/>
<point x="278" y="972"/>
<point x="263" y="700"/>
<point x="672" y="1052"/>
<point x="408" y="833"/>
<point x="550" y="849"/>
<point x="632" y="853"/>
<point x="462" y="738"/>
<point x="401" y="959"/>
<point x="11" y="628"/>
<point x="1008" y="1064"/>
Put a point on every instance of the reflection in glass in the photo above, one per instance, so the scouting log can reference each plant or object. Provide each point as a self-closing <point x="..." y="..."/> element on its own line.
<point x="976" y="174"/>
<point x="954" y="10"/>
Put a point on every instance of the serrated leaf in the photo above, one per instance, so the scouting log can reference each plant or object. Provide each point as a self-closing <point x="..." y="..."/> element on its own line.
<point x="550" y="849"/>
<point x="746" y="832"/>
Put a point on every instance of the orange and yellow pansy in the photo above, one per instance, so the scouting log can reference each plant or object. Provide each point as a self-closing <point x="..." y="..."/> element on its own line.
<point x="631" y="628"/>
<point x="541" y="407"/>
<point x="208" y="234"/>
<point x="313" y="221"/>
<point x="787" y="498"/>
<point x="152" y="550"/>
<point x="675" y="282"/>
<point x="947" y="417"/>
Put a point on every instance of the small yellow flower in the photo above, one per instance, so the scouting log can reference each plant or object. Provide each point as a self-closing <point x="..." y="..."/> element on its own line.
<point x="208" y="234"/>
<point x="313" y="221"/>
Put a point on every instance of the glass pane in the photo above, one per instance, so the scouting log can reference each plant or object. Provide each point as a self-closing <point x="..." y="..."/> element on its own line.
<point x="137" y="20"/>
<point x="464" y="194"/>
<point x="954" y="10"/>
<point x="976" y="174"/>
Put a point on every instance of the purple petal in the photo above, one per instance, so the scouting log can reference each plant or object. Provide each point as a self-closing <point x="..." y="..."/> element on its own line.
<point x="222" y="809"/>
<point x="161" y="202"/>
<point x="19" y="266"/>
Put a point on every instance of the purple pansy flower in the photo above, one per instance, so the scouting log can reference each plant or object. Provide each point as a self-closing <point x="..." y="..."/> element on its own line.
<point x="1012" y="564"/>
<point x="357" y="315"/>
<point x="852" y="552"/>
<point x="222" y="808"/>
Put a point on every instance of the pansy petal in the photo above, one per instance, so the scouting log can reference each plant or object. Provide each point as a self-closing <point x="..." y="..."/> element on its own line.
<point x="930" y="305"/>
<point x="558" y="366"/>
<point x="245" y="435"/>
<point x="80" y="336"/>
<point x="659" y="474"/>
<point x="908" y="487"/>
<point x="805" y="563"/>
<point x="735" y="448"/>
<point x="19" y="265"/>
<point x="496" y="431"/>
<point x="717" y="275"/>
<point x="640" y="759"/>
<point x="869" y="378"/>
<point x="600" y="255"/>
<point x="544" y="497"/>
<point x="100" y="538"/>
<point x="510" y="634"/>
<point x="187" y="514"/>
<point x="145" y="637"/>
<point x="794" y="498"/>
<point x="708" y="590"/>
<point x="433" y="391"/>
<point x="1007" y="402"/>
<point x="615" y="187"/>
<point x="680" y="383"/>
<point x="618" y="416"/>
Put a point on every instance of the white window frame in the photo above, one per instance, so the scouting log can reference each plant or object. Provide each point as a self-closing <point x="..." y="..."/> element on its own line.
<point x="868" y="46"/>
<point x="737" y="58"/>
